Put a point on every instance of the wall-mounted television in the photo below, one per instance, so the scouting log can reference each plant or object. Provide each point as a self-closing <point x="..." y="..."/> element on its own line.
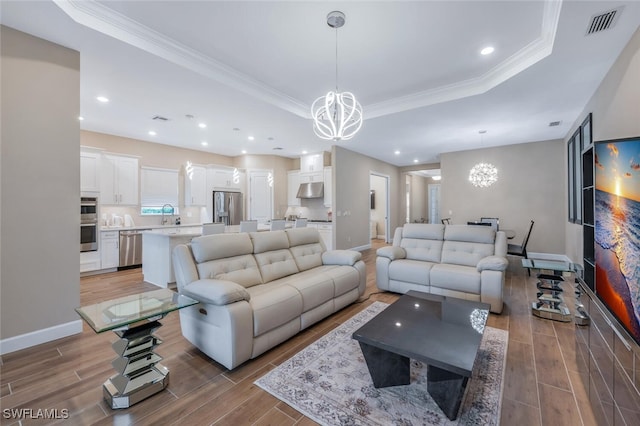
<point x="617" y="229"/>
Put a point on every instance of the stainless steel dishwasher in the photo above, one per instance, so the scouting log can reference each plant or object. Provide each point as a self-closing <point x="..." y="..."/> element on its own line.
<point x="131" y="248"/>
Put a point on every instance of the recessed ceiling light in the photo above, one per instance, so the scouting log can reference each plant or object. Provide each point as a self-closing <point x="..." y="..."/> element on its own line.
<point x="396" y="152"/>
<point x="415" y="160"/>
<point x="102" y="99"/>
<point x="304" y="152"/>
<point x="251" y="138"/>
<point x="436" y="177"/>
<point x="244" y="151"/>
<point x="487" y="50"/>
<point x="81" y="118"/>
<point x="204" y="143"/>
<point x="152" y="133"/>
<point x="202" y="125"/>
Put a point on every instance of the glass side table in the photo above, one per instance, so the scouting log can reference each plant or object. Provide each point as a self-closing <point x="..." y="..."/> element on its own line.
<point x="134" y="319"/>
<point x="550" y="304"/>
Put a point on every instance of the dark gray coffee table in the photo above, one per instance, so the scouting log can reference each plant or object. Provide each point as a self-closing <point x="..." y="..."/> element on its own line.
<point x="443" y="332"/>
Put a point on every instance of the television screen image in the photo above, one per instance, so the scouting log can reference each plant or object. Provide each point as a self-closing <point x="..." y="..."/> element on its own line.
<point x="617" y="229"/>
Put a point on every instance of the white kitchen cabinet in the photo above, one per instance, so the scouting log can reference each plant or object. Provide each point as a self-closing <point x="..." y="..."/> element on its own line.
<point x="195" y="189"/>
<point x="89" y="171"/>
<point x="326" y="233"/>
<point x="293" y="183"/>
<point x="110" y="249"/>
<point x="311" y="163"/>
<point x="327" y="187"/>
<point x="226" y="178"/>
<point x="119" y="180"/>
<point x="90" y="261"/>
<point x="312" y="177"/>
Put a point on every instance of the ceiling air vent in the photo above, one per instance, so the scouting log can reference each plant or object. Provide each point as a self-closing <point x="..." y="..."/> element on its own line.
<point x="160" y="118"/>
<point x="603" y="21"/>
<point x="554" y="123"/>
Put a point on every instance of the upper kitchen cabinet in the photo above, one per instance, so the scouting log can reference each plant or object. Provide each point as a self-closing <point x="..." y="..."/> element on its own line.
<point x="119" y="180"/>
<point x="195" y="187"/>
<point x="89" y="170"/>
<point x="312" y="163"/>
<point x="327" y="187"/>
<point x="293" y="183"/>
<point x="225" y="178"/>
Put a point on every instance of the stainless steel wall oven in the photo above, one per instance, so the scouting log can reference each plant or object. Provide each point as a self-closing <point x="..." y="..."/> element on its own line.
<point x="88" y="224"/>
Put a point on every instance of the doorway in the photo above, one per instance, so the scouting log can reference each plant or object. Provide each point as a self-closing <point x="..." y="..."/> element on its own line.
<point x="379" y="207"/>
<point x="260" y="203"/>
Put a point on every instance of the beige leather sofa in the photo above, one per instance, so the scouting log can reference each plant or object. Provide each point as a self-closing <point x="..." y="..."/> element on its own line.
<point x="258" y="289"/>
<point x="467" y="262"/>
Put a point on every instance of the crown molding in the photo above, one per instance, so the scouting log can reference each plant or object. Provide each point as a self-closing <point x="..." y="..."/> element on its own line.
<point x="107" y="21"/>
<point x="535" y="51"/>
<point x="114" y="24"/>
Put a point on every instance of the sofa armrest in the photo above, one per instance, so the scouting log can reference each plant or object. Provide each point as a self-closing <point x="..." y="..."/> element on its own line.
<point x="341" y="257"/>
<point x="392" y="252"/>
<point x="216" y="292"/>
<point x="493" y="263"/>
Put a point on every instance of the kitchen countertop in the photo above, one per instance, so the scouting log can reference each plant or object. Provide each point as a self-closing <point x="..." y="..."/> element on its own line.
<point x="148" y="227"/>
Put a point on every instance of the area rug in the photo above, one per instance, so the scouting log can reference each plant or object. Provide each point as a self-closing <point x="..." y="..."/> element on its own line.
<point x="328" y="381"/>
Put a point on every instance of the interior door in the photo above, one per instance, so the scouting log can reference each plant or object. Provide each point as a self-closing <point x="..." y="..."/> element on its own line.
<point x="434" y="203"/>
<point x="260" y="195"/>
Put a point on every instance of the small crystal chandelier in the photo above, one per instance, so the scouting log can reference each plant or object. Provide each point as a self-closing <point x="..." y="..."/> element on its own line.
<point x="336" y="115"/>
<point x="483" y="174"/>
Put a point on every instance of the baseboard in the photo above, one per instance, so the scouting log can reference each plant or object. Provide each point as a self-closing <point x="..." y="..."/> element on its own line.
<point x="361" y="248"/>
<point x="549" y="256"/>
<point x="37" y="337"/>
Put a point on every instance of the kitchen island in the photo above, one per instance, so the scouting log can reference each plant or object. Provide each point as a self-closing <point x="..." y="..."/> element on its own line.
<point x="157" y="245"/>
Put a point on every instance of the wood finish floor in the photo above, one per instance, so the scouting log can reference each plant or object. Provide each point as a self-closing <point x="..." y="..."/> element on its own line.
<point x="542" y="378"/>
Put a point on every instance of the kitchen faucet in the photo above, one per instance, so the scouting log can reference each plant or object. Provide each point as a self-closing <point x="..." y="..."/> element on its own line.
<point x="165" y="221"/>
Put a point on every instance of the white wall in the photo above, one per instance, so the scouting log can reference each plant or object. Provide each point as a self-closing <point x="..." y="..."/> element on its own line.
<point x="530" y="186"/>
<point x="40" y="190"/>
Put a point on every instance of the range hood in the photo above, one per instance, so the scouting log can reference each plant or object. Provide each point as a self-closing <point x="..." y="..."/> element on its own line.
<point x="311" y="190"/>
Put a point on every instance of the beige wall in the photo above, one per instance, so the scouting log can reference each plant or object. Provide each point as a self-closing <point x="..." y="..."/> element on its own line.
<point x="616" y="114"/>
<point x="531" y="186"/>
<point x="40" y="186"/>
<point x="351" y="181"/>
<point x="419" y="198"/>
<point x="157" y="155"/>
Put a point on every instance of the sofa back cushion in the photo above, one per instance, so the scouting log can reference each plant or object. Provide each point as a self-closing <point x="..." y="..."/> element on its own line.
<point x="272" y="254"/>
<point x="422" y="241"/>
<point x="467" y="244"/>
<point x="220" y="246"/>
<point x="306" y="247"/>
<point x="239" y="269"/>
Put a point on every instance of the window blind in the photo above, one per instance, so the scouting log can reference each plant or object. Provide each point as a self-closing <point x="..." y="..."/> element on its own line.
<point x="158" y="187"/>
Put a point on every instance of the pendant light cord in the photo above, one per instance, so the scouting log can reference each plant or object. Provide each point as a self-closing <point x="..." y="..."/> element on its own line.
<point x="336" y="60"/>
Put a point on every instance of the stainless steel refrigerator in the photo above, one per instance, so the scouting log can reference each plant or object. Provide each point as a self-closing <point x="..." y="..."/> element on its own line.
<point x="227" y="207"/>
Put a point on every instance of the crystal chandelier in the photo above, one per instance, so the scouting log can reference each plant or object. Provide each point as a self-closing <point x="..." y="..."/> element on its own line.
<point x="483" y="175"/>
<point x="336" y="115"/>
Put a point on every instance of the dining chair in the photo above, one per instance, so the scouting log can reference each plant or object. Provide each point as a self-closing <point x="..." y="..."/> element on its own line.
<point x="248" y="226"/>
<point x="521" y="250"/>
<point x="278" y="224"/>
<point x="446" y="221"/>
<point x="494" y="221"/>
<point x="212" y="228"/>
<point x="300" y="223"/>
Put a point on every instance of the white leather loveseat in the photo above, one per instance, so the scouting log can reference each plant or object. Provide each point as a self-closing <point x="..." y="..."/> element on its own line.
<point x="258" y="289"/>
<point x="467" y="262"/>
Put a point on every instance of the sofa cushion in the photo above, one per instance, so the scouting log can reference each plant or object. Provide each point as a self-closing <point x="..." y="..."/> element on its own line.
<point x="315" y="287"/>
<point x="411" y="271"/>
<point x="470" y="234"/>
<point x="273" y="305"/>
<point x="466" y="254"/>
<point x="269" y="241"/>
<point x="307" y="256"/>
<point x="216" y="292"/>
<point x="456" y="277"/>
<point x="425" y="250"/>
<point x="276" y="264"/>
<point x="345" y="278"/>
<point x="423" y="231"/>
<point x="239" y="269"/>
<point x="219" y="246"/>
<point x="302" y="236"/>
<point x="341" y="257"/>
